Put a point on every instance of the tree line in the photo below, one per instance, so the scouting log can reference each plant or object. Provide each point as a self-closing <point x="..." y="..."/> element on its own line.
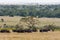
<point x="30" y="10"/>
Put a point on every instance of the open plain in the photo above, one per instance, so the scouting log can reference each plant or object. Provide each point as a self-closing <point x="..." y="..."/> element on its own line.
<point x="31" y="36"/>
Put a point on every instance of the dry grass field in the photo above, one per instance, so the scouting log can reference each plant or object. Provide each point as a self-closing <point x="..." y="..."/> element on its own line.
<point x="10" y="20"/>
<point x="46" y="21"/>
<point x="42" y="21"/>
<point x="31" y="36"/>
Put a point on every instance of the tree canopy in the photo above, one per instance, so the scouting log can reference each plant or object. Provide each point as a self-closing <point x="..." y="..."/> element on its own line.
<point x="30" y="10"/>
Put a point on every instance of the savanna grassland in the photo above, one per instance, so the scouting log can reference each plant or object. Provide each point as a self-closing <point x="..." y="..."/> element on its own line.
<point x="42" y="21"/>
<point x="30" y="36"/>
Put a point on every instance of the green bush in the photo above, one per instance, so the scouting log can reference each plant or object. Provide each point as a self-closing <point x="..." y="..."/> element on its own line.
<point x="50" y="27"/>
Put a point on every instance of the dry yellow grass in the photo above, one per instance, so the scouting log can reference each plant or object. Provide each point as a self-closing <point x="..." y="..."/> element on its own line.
<point x="10" y="20"/>
<point x="31" y="36"/>
<point x="46" y="21"/>
<point x="43" y="21"/>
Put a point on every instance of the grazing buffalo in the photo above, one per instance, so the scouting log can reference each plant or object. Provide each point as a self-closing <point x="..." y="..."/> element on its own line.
<point x="44" y="30"/>
<point x="22" y="31"/>
<point x="14" y="30"/>
<point x="18" y="31"/>
<point x="4" y="31"/>
<point x="28" y="30"/>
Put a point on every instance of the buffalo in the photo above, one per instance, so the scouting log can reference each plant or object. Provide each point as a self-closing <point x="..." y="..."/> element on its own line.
<point x="18" y="31"/>
<point x="44" y="30"/>
<point x="4" y="31"/>
<point x="22" y="31"/>
<point x="28" y="30"/>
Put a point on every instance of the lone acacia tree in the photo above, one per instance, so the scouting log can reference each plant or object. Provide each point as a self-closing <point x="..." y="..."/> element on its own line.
<point x="30" y="22"/>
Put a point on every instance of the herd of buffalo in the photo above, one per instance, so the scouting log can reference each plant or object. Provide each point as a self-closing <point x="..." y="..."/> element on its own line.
<point x="46" y="29"/>
<point x="26" y="30"/>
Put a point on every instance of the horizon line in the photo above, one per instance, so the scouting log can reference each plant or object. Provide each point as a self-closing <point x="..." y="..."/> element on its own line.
<point x="55" y="3"/>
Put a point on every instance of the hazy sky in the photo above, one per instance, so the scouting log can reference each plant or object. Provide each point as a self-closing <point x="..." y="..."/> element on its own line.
<point x="29" y="1"/>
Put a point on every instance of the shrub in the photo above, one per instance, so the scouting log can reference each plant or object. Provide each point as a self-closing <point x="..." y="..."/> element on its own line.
<point x="18" y="29"/>
<point x="5" y="26"/>
<point x="51" y="27"/>
<point x="11" y="15"/>
<point x="47" y="28"/>
<point x="33" y="28"/>
<point x="2" y="20"/>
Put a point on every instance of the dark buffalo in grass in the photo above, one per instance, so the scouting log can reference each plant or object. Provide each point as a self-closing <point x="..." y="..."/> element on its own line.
<point x="28" y="30"/>
<point x="44" y="30"/>
<point x="4" y="31"/>
<point x="14" y="30"/>
<point x="18" y="31"/>
<point x="22" y="31"/>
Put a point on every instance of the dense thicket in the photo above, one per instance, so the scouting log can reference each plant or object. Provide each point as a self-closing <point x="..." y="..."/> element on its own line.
<point x="30" y="10"/>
